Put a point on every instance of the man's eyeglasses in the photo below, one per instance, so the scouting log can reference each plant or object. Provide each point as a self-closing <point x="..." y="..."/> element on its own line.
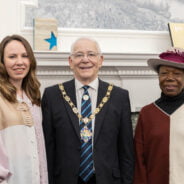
<point x="89" y="55"/>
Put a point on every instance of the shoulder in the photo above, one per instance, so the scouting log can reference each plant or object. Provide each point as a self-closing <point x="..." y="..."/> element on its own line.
<point x="148" y="109"/>
<point x="51" y="90"/>
<point x="147" y="114"/>
<point x="1" y="96"/>
<point x="120" y="90"/>
<point x="55" y="88"/>
<point x="118" y="95"/>
<point x="3" y="100"/>
<point x="50" y="95"/>
<point x="116" y="91"/>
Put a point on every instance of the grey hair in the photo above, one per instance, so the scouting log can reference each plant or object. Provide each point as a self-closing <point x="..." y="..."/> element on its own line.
<point x="85" y="38"/>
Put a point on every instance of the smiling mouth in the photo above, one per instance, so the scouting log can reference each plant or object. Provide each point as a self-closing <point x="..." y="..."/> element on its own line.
<point x="85" y="68"/>
<point x="170" y="87"/>
<point x="19" y="69"/>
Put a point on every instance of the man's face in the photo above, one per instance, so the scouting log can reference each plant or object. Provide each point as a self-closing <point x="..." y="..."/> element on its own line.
<point x="171" y="80"/>
<point x="85" y="61"/>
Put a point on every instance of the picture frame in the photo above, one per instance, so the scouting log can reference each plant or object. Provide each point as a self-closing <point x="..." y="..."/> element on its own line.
<point x="176" y="31"/>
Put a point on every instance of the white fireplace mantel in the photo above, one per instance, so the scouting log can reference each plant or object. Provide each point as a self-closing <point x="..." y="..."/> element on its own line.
<point x="127" y="70"/>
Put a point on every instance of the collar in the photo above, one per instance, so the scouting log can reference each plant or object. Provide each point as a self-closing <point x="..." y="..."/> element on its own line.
<point x="93" y="85"/>
<point x="172" y="98"/>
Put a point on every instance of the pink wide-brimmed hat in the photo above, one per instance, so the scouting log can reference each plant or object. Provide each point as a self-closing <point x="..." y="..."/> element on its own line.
<point x="173" y="58"/>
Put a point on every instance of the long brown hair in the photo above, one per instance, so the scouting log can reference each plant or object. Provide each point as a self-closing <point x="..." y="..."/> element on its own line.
<point x="30" y="83"/>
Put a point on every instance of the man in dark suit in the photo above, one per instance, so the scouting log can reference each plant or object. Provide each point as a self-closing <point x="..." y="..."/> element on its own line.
<point x="87" y="124"/>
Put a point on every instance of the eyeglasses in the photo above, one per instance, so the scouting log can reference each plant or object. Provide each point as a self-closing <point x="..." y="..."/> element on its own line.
<point x="90" y="55"/>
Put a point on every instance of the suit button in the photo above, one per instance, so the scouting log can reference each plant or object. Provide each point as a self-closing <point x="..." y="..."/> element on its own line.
<point x="79" y="148"/>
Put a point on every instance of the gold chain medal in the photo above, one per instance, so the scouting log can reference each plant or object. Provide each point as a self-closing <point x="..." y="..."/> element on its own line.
<point x="86" y="134"/>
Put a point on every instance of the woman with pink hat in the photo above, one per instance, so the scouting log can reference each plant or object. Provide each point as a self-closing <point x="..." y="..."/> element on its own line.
<point x="159" y="134"/>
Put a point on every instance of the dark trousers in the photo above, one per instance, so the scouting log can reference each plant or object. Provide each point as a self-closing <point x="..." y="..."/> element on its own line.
<point x="92" y="180"/>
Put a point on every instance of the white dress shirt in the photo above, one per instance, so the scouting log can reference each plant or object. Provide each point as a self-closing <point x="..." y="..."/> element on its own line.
<point x="93" y="90"/>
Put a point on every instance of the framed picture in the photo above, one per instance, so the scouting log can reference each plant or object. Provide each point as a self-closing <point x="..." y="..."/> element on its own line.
<point x="177" y="34"/>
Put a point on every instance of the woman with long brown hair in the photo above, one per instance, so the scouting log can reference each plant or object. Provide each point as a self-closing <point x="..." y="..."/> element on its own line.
<point x="20" y="114"/>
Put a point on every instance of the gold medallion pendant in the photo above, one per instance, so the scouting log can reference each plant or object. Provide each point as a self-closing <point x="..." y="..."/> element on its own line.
<point x="86" y="134"/>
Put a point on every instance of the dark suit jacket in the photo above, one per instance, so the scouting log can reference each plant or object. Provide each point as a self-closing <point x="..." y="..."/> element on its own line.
<point x="113" y="140"/>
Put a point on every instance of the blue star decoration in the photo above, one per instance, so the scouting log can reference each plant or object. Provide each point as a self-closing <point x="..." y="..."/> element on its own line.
<point x="52" y="40"/>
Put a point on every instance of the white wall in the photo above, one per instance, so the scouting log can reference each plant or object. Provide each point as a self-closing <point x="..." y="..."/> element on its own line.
<point x="9" y="17"/>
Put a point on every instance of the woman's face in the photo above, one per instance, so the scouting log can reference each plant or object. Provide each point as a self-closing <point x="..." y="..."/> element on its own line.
<point x="171" y="80"/>
<point x="16" y="61"/>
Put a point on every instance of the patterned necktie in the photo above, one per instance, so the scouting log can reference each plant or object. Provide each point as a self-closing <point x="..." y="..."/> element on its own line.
<point x="86" y="162"/>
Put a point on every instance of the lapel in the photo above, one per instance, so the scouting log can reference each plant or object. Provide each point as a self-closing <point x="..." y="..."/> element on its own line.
<point x="70" y="90"/>
<point x="102" y="89"/>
